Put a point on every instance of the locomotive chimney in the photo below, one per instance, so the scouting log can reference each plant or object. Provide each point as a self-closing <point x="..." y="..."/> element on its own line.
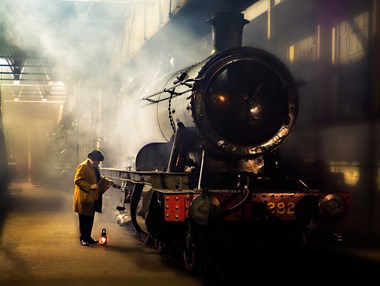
<point x="227" y="30"/>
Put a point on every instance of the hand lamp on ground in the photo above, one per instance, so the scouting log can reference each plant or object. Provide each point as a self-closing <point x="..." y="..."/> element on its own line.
<point x="103" y="237"/>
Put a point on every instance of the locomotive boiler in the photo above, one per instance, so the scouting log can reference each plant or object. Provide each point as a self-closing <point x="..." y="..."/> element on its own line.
<point x="208" y="177"/>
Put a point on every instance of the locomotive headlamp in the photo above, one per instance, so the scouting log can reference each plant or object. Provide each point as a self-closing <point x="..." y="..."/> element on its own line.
<point x="103" y="237"/>
<point x="332" y="207"/>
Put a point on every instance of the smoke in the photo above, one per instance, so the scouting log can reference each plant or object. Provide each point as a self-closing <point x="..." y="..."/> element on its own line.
<point x="76" y="44"/>
<point x="134" y="121"/>
<point x="81" y="43"/>
<point x="73" y="42"/>
<point x="72" y="45"/>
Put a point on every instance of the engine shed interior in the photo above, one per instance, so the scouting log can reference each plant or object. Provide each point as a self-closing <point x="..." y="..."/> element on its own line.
<point x="69" y="68"/>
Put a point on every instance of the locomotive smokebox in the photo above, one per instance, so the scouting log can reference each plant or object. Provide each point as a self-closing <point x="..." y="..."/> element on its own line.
<point x="239" y="103"/>
<point x="227" y="30"/>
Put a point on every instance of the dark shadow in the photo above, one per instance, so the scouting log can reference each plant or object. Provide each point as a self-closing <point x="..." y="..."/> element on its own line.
<point x="4" y="209"/>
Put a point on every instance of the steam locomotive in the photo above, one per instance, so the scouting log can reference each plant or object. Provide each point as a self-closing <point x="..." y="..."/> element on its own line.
<point x="209" y="176"/>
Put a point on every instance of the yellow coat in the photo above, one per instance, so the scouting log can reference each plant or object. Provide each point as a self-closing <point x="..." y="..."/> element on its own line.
<point x="83" y="201"/>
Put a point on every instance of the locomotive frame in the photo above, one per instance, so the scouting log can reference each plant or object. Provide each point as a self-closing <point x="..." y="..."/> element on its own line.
<point x="165" y="210"/>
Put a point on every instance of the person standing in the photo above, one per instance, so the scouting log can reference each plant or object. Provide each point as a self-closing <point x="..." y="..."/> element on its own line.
<point x="86" y="203"/>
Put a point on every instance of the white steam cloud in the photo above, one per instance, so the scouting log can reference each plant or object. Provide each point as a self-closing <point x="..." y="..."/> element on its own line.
<point x="79" y="40"/>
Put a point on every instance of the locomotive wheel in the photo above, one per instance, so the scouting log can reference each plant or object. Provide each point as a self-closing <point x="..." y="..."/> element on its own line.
<point x="191" y="254"/>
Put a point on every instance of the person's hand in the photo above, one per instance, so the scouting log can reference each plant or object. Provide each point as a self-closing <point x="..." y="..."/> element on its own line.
<point x="94" y="187"/>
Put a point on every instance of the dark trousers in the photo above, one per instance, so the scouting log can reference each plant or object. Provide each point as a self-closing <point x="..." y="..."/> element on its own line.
<point x="85" y="226"/>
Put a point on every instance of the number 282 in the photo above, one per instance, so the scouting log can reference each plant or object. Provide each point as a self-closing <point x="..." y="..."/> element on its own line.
<point x="280" y="208"/>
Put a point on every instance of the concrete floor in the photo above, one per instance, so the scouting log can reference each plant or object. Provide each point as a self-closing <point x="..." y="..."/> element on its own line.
<point x="40" y="246"/>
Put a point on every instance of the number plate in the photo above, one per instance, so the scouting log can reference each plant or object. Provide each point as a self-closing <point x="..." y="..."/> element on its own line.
<point x="280" y="204"/>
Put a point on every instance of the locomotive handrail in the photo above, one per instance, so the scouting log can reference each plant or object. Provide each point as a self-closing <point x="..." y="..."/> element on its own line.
<point x="172" y="95"/>
<point x="171" y="89"/>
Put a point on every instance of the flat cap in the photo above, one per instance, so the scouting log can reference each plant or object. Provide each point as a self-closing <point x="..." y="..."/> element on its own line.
<point x="96" y="155"/>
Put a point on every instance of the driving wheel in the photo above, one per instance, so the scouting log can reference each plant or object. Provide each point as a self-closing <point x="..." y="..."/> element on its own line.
<point x="191" y="253"/>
